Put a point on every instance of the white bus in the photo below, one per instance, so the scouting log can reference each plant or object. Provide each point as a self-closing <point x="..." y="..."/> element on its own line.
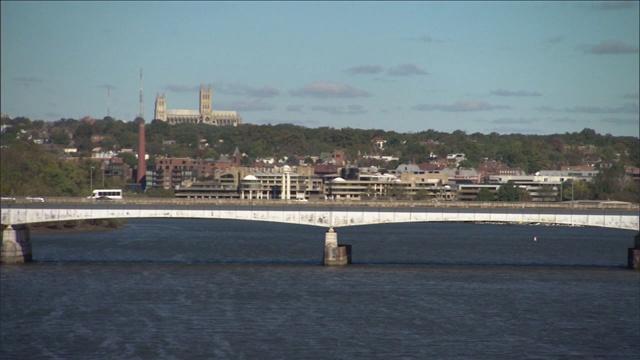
<point x="112" y="194"/>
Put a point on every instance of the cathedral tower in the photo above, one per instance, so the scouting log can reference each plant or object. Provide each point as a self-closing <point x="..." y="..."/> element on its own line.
<point x="161" y="107"/>
<point x="205" y="101"/>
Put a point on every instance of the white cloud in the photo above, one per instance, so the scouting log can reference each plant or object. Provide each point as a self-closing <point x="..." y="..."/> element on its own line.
<point x="294" y="108"/>
<point x="613" y="5"/>
<point x="514" y="121"/>
<point x="406" y="70"/>
<point x="325" y="90"/>
<point x="244" y="90"/>
<point x="623" y="109"/>
<point x="514" y="130"/>
<point x="461" y="105"/>
<point x="554" y="40"/>
<point x="609" y="47"/>
<point x="27" y="80"/>
<point x="619" y="121"/>
<point x="365" y="69"/>
<point x="340" y="110"/>
<point x="181" y="88"/>
<point x="521" y="93"/>
<point x="248" y="105"/>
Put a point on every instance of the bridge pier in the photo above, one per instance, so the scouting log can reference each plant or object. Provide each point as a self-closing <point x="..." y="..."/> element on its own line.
<point x="633" y="254"/>
<point x="335" y="254"/>
<point x="16" y="246"/>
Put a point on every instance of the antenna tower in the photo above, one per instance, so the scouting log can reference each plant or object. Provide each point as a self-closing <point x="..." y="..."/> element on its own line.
<point x="141" y="113"/>
<point x="109" y="100"/>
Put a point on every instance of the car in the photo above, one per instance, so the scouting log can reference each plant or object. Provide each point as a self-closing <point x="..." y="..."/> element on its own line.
<point x="34" y="199"/>
<point x="8" y="199"/>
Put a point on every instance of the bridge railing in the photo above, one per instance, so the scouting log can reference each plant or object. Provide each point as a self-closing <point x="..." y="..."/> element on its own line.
<point x="579" y="205"/>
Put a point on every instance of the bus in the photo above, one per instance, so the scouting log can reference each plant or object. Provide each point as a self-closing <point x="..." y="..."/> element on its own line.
<point x="111" y="194"/>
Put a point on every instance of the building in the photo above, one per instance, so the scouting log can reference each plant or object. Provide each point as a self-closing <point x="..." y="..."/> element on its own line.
<point x="171" y="172"/>
<point x="208" y="190"/>
<point x="469" y="192"/>
<point x="585" y="173"/>
<point x="405" y="185"/>
<point x="379" y="142"/>
<point x="538" y="187"/>
<point x="205" y="115"/>
<point x="248" y="183"/>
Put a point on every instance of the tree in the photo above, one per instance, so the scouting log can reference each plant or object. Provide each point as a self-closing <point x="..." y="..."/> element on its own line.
<point x="129" y="159"/>
<point x="630" y="193"/>
<point x="60" y="137"/>
<point x="160" y="192"/>
<point x="547" y="193"/>
<point x="510" y="192"/>
<point x="607" y="182"/>
<point x="82" y="136"/>
<point x="421" y="194"/>
<point x="485" y="195"/>
<point x="581" y="190"/>
<point x="534" y="162"/>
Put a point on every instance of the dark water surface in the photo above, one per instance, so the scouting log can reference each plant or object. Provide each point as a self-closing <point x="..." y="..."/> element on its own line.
<point x="198" y="289"/>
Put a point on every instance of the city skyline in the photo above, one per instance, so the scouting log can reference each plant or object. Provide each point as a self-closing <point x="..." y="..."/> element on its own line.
<point x="505" y="67"/>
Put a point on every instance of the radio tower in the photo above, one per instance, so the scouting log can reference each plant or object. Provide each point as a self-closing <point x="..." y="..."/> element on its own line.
<point x="109" y="100"/>
<point x="141" y="113"/>
<point x="142" y="164"/>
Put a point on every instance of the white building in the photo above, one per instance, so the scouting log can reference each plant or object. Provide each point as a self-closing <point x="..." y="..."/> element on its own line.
<point x="539" y="188"/>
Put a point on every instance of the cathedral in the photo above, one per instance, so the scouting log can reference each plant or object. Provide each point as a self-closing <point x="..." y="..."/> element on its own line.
<point x="205" y="115"/>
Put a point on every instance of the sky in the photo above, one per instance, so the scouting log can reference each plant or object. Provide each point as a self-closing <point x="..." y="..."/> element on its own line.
<point x="505" y="67"/>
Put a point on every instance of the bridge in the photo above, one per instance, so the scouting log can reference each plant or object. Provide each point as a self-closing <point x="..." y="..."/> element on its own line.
<point x="325" y="216"/>
<point x="328" y="215"/>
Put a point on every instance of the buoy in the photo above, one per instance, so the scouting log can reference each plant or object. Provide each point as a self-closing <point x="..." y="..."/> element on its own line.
<point x="535" y="238"/>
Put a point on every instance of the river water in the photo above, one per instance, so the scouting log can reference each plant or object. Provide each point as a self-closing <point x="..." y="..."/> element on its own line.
<point x="198" y="289"/>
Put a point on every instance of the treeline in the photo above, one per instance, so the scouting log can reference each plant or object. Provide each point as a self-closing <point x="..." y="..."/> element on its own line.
<point x="27" y="169"/>
<point x="528" y="152"/>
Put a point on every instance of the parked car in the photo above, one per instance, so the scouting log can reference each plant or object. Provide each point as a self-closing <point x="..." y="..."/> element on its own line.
<point x="34" y="199"/>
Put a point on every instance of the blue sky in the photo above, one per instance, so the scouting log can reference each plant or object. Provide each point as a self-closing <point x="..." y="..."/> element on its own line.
<point x="505" y="67"/>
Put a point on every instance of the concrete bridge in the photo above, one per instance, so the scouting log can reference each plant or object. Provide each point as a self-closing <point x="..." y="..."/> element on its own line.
<point x="328" y="216"/>
<point x="324" y="216"/>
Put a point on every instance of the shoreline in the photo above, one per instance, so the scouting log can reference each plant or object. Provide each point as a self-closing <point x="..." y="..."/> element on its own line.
<point x="79" y="226"/>
<point x="75" y="229"/>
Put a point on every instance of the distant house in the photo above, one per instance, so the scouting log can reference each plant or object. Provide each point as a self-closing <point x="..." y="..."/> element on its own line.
<point x="456" y="157"/>
<point x="633" y="172"/>
<point x="379" y="142"/>
<point x="338" y="157"/>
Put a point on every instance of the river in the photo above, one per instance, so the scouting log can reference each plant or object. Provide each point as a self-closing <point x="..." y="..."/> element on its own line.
<point x="198" y="289"/>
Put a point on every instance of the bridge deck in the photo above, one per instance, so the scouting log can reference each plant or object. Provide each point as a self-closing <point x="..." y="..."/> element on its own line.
<point x="325" y="216"/>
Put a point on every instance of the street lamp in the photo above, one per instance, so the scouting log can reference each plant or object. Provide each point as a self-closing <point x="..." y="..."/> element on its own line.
<point x="91" y="177"/>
